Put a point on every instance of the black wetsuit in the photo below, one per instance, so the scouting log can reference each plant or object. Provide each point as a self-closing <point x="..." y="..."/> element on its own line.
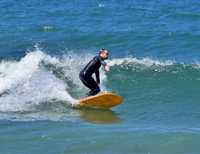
<point x="86" y="75"/>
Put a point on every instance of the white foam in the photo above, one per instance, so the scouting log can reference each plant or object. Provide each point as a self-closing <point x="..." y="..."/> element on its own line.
<point x="196" y="64"/>
<point x="28" y="83"/>
<point x="144" y="61"/>
<point x="13" y="73"/>
<point x="48" y="28"/>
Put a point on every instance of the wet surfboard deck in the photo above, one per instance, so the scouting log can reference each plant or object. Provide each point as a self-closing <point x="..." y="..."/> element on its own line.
<point x="104" y="100"/>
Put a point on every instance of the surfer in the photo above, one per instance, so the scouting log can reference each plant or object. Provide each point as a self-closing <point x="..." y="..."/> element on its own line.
<point x="93" y="66"/>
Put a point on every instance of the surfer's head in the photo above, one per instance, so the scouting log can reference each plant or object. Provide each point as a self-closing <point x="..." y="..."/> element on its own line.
<point x="103" y="53"/>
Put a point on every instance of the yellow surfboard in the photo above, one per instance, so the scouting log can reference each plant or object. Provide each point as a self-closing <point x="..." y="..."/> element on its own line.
<point x="102" y="100"/>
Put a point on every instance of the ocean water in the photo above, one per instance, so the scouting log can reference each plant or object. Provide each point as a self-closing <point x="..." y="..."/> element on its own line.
<point x="155" y="65"/>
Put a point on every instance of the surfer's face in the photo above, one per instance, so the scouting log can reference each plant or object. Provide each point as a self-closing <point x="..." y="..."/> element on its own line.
<point x="104" y="54"/>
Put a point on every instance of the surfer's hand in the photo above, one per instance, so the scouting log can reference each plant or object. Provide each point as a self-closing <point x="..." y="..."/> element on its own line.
<point x="107" y="68"/>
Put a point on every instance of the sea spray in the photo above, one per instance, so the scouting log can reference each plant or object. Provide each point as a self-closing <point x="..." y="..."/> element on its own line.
<point x="27" y="83"/>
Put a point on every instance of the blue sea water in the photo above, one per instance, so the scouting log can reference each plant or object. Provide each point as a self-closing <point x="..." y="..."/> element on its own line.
<point x="155" y="65"/>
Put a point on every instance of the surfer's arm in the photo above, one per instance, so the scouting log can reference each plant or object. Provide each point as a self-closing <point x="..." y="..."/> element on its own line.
<point x="106" y="67"/>
<point x="97" y="76"/>
<point x="103" y="63"/>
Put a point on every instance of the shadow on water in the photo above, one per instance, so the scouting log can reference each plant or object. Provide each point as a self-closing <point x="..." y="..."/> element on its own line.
<point x="98" y="116"/>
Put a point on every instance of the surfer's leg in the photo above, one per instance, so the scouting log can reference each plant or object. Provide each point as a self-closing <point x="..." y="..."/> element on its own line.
<point x="89" y="82"/>
<point x="94" y="86"/>
<point x="94" y="92"/>
<point x="84" y="80"/>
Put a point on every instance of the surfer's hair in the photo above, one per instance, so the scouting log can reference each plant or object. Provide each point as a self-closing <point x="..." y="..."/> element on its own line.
<point x="102" y="50"/>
